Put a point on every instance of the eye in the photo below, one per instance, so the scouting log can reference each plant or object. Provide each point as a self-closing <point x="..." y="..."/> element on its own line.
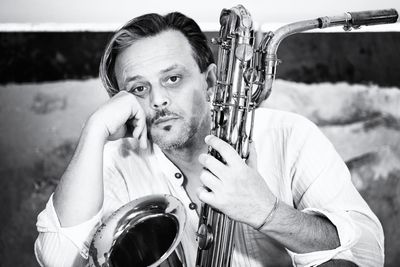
<point x="173" y="79"/>
<point x="139" y="90"/>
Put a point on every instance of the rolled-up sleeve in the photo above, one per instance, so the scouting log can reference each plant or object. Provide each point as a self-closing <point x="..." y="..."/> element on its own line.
<point x="63" y="246"/>
<point x="69" y="246"/>
<point x="360" y="241"/>
<point x="322" y="186"/>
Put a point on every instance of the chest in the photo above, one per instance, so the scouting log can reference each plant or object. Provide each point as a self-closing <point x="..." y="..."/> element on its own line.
<point x="191" y="186"/>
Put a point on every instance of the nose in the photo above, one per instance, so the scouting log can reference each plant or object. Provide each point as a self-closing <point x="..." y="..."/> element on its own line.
<point x="159" y="99"/>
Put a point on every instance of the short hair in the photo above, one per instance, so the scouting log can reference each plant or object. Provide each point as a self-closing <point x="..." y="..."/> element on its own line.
<point x="150" y="25"/>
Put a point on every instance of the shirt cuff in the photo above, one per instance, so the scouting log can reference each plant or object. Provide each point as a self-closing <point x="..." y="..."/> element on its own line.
<point x="348" y="237"/>
<point x="80" y="235"/>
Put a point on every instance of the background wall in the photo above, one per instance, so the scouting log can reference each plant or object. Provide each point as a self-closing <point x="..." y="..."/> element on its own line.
<point x="347" y="83"/>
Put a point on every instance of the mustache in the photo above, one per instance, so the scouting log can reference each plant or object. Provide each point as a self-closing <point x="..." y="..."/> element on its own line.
<point x="162" y="113"/>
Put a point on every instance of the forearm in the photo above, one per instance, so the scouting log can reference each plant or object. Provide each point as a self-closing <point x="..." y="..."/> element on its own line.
<point x="301" y="232"/>
<point x="79" y="194"/>
<point x="297" y="231"/>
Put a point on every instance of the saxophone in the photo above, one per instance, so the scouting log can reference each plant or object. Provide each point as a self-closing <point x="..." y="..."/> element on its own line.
<point x="245" y="74"/>
<point x="148" y="230"/>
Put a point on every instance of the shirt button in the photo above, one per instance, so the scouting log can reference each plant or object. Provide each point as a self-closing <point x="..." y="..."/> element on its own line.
<point x="178" y="175"/>
<point x="192" y="206"/>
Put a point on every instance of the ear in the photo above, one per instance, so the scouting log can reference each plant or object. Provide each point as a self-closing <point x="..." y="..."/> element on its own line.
<point x="211" y="78"/>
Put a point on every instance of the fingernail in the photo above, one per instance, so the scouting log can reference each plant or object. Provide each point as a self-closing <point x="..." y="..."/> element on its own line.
<point x="208" y="138"/>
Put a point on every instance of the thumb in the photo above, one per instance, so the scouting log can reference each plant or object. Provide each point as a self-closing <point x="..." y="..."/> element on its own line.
<point x="252" y="159"/>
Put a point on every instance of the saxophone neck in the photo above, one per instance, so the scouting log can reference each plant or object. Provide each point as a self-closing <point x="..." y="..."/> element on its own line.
<point x="269" y="45"/>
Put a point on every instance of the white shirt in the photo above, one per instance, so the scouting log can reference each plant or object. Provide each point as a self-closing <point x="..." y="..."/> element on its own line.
<point x="298" y="163"/>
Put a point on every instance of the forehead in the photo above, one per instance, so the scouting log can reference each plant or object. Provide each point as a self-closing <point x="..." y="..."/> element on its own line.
<point x="150" y="54"/>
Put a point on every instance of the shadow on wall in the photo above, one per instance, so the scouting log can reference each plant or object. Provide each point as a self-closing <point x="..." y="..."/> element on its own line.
<point x="307" y="57"/>
<point x="42" y="123"/>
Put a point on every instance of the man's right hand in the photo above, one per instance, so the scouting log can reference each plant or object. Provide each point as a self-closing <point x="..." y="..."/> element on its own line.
<point x="112" y="118"/>
<point x="82" y="181"/>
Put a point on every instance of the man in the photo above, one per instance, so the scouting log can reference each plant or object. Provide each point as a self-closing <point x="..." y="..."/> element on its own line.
<point x="293" y="189"/>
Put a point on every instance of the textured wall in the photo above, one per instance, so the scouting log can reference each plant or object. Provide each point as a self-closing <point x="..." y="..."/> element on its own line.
<point x="40" y="124"/>
<point x="363" y="123"/>
<point x="40" y="121"/>
<point x="308" y="57"/>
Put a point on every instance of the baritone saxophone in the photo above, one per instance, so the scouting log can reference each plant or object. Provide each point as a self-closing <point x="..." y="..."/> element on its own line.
<point x="245" y="73"/>
<point x="147" y="231"/>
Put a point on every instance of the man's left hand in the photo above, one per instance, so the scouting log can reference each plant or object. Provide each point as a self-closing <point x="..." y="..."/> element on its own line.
<point x="237" y="189"/>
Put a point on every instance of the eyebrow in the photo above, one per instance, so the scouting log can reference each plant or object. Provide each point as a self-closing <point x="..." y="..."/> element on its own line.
<point x="175" y="66"/>
<point x="133" y="78"/>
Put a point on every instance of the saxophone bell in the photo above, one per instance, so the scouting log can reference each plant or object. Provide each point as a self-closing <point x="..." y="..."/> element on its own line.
<point x="144" y="232"/>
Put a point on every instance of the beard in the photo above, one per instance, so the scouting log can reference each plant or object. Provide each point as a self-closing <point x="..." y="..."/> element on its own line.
<point x="175" y="134"/>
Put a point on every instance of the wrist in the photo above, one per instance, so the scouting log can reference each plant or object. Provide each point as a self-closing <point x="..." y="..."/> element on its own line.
<point x="269" y="216"/>
<point x="95" y="128"/>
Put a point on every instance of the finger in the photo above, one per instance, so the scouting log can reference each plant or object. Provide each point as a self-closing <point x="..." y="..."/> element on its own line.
<point x="120" y="133"/>
<point x="227" y="152"/>
<point x="252" y="160"/>
<point x="136" y="129"/>
<point x="209" y="180"/>
<point x="212" y="164"/>
<point x="120" y="94"/>
<point x="140" y="130"/>
<point x="143" y="138"/>
<point x="140" y="122"/>
<point x="205" y="196"/>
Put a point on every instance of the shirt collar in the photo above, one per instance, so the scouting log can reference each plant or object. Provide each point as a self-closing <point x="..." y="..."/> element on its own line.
<point x="168" y="168"/>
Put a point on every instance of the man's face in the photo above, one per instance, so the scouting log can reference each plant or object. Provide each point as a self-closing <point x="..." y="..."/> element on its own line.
<point x="162" y="73"/>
